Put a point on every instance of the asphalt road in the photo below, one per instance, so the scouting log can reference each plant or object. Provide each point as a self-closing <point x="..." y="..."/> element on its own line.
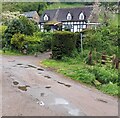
<point x="31" y="90"/>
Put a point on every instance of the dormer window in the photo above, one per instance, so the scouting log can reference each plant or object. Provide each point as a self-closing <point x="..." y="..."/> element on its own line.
<point x="69" y="16"/>
<point x="81" y="16"/>
<point x="46" y="18"/>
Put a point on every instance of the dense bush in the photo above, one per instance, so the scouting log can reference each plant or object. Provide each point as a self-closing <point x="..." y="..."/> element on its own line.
<point x="46" y="40"/>
<point x="39" y="42"/>
<point x="63" y="43"/>
<point x="18" y="41"/>
<point x="104" y="39"/>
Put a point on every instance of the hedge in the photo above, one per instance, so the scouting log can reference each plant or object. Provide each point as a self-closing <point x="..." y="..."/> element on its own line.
<point x="63" y="43"/>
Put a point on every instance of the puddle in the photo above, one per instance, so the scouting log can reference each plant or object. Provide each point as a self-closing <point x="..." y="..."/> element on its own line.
<point x="30" y="65"/>
<point x="48" y="86"/>
<point x="67" y="85"/>
<point x="23" y="88"/>
<point x="15" y="83"/>
<point x="101" y="100"/>
<point x="47" y="77"/>
<point x="60" y="101"/>
<point x="40" y="69"/>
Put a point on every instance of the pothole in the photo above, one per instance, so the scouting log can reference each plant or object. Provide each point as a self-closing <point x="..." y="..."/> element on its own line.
<point x="47" y="77"/>
<point x="30" y="65"/>
<point x="23" y="88"/>
<point x="40" y="69"/>
<point x="48" y="86"/>
<point x="67" y="85"/>
<point x="101" y="100"/>
<point x="19" y="64"/>
<point x="15" y="83"/>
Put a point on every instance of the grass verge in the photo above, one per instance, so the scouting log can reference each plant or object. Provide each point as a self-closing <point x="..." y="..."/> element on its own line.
<point x="102" y="77"/>
<point x="9" y="52"/>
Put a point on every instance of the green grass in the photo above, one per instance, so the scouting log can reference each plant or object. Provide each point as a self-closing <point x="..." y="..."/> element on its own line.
<point x="12" y="53"/>
<point x="77" y="70"/>
<point x="64" y="5"/>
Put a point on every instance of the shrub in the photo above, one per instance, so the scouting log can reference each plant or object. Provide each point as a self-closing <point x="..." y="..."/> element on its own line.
<point x="46" y="40"/>
<point x="63" y="43"/>
<point x="39" y="42"/>
<point x="2" y="39"/>
<point x="18" y="41"/>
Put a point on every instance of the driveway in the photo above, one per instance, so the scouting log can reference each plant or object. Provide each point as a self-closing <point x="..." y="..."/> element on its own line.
<point x="31" y="90"/>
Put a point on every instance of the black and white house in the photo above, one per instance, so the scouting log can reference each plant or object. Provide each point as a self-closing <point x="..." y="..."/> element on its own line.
<point x="73" y="19"/>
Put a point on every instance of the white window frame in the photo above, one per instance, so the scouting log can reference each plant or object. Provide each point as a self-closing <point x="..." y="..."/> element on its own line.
<point x="69" y="16"/>
<point x="81" y="16"/>
<point x="46" y="18"/>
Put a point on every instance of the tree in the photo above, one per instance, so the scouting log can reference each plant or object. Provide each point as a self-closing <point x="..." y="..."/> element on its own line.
<point x="29" y="26"/>
<point x="15" y="26"/>
<point x="22" y="25"/>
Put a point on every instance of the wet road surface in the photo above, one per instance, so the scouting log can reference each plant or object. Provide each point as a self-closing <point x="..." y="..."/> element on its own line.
<point x="31" y="90"/>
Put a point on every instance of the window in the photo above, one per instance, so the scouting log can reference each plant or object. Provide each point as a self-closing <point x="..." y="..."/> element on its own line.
<point x="46" y="18"/>
<point x="81" y="16"/>
<point x="69" y="16"/>
<point x="84" y="26"/>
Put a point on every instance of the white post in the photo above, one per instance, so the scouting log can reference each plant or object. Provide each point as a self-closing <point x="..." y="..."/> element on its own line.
<point x="81" y="42"/>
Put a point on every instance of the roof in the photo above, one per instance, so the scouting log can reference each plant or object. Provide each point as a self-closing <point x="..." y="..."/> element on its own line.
<point x="61" y="14"/>
<point x="30" y="14"/>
